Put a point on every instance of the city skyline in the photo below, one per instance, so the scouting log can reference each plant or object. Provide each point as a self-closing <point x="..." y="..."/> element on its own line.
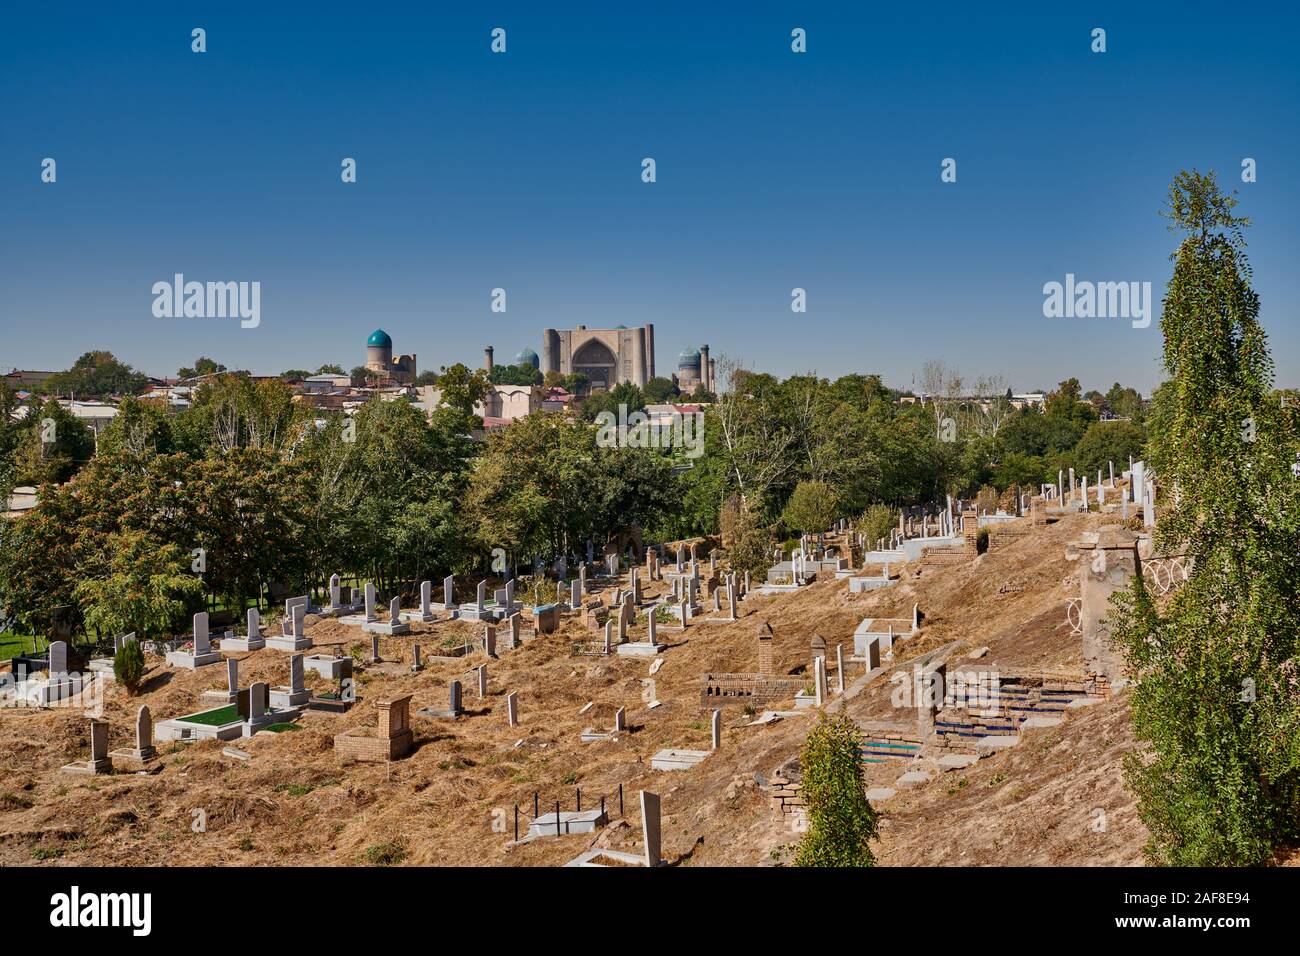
<point x="522" y="171"/>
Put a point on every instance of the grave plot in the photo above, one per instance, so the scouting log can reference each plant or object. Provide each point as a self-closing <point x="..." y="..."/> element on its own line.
<point x="555" y="821"/>
<point x="198" y="652"/>
<point x="651" y="833"/>
<point x="620" y="725"/>
<point x="755" y="689"/>
<point x="45" y="681"/>
<point x="340" y="698"/>
<point x="99" y="761"/>
<point x="424" y="614"/>
<point x="390" y="739"/>
<point x="343" y="600"/>
<point x="244" y="718"/>
<point x="293" y="635"/>
<point x="143" y="756"/>
<point x="393" y="627"/>
<point x="252" y="641"/>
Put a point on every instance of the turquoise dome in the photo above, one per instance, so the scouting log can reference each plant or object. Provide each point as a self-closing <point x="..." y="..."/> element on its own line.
<point x="379" y="337"/>
<point x="689" y="358"/>
<point x="528" y="357"/>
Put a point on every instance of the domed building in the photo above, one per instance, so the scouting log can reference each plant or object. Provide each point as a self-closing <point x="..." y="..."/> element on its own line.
<point x="694" y="369"/>
<point x="528" y="357"/>
<point x="379" y="359"/>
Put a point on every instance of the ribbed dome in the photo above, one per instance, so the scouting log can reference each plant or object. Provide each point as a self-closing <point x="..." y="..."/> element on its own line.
<point x="528" y="357"/>
<point x="380" y="337"/>
<point x="689" y="358"/>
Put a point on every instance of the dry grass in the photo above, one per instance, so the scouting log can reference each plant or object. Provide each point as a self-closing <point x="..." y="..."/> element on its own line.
<point x="451" y="802"/>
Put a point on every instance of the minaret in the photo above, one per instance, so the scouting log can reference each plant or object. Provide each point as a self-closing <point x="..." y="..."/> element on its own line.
<point x="706" y="370"/>
<point x="487" y="358"/>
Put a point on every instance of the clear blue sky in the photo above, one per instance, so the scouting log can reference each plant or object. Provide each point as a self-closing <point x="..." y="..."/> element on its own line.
<point x="522" y="170"/>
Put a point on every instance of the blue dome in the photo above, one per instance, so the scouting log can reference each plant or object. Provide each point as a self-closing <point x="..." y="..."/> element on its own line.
<point x="379" y="337"/>
<point x="689" y="358"/>
<point x="528" y="357"/>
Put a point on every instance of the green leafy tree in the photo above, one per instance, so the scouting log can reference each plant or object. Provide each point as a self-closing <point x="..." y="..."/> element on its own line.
<point x="54" y="445"/>
<point x="515" y="375"/>
<point x="147" y="588"/>
<point x="202" y="366"/>
<point x="1105" y="442"/>
<point x="329" y="368"/>
<point x="462" y="388"/>
<point x="841" y="823"/>
<point x="141" y="427"/>
<point x="97" y="375"/>
<point x="876" y="523"/>
<point x="1124" y="402"/>
<point x="660" y="390"/>
<point x="1215" y="700"/>
<point x="812" y="507"/>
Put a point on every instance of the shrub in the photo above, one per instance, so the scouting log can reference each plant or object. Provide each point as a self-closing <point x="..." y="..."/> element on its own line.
<point x="385" y="854"/>
<point x="128" y="666"/>
<point x="841" y="822"/>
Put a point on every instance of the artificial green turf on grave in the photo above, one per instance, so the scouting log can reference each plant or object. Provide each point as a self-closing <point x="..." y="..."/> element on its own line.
<point x="214" y="718"/>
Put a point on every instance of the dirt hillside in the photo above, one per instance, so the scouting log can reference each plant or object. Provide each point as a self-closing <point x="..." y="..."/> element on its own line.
<point x="451" y="802"/>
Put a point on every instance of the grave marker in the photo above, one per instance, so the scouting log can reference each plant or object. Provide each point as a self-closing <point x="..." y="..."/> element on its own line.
<point x="650" y="827"/>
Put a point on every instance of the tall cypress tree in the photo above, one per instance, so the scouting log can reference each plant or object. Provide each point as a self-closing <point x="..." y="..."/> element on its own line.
<point x="1216" y="699"/>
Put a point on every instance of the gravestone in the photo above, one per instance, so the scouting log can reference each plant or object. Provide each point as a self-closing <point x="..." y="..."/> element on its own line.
<point x="58" y="661"/>
<point x="202" y="641"/>
<point x="512" y="709"/>
<point x="490" y="641"/>
<point x="609" y="635"/>
<point x="516" y="630"/>
<point x="482" y="680"/>
<point x="336" y="591"/>
<point x="650" y="827"/>
<point x="818" y="646"/>
<point x="650" y="623"/>
<point x="448" y="593"/>
<point x="415" y="658"/>
<point x="716" y="728"/>
<point x="371" y="616"/>
<point x="620" y="720"/>
<point x="99" y="761"/>
<point x="144" y="748"/>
